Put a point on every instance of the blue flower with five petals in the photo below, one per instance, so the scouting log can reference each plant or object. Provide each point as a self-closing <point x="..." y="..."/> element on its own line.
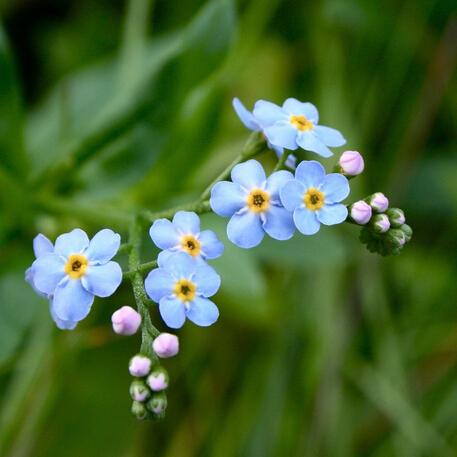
<point x="249" y="121"/>
<point x="182" y="288"/>
<point x="296" y="125"/>
<point x="75" y="271"/>
<point x="253" y="204"/>
<point x="314" y="197"/>
<point x="183" y="234"/>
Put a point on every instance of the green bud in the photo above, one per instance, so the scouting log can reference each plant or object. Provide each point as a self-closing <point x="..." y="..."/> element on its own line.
<point x="408" y="231"/>
<point x="139" y="391"/>
<point x="396" y="238"/>
<point x="139" y="410"/>
<point x="396" y="217"/>
<point x="380" y="223"/>
<point x="158" y="403"/>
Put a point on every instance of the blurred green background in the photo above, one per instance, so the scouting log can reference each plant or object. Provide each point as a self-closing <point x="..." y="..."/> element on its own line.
<point x="322" y="349"/>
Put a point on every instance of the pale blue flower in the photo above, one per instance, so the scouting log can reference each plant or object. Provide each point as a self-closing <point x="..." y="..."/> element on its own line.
<point x="295" y="125"/>
<point x="253" y="204"/>
<point x="183" y="234"/>
<point x="75" y="270"/>
<point x="182" y="288"/>
<point x="249" y="121"/>
<point x="314" y="197"/>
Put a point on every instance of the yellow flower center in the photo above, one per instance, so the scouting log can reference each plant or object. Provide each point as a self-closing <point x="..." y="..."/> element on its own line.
<point x="314" y="199"/>
<point x="76" y="266"/>
<point x="191" y="245"/>
<point x="301" y="123"/>
<point x="185" y="290"/>
<point x="258" y="200"/>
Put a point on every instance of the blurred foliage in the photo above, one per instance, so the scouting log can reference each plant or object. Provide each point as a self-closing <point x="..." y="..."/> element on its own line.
<point x="322" y="349"/>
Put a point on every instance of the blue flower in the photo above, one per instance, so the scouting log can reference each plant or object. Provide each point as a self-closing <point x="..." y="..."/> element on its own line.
<point x="183" y="234"/>
<point x="295" y="125"/>
<point x="181" y="287"/>
<point x="253" y="204"/>
<point x="41" y="246"/>
<point x="314" y="197"/>
<point x="74" y="271"/>
<point x="249" y="121"/>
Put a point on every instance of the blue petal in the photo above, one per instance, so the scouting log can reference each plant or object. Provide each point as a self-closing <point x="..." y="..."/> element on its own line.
<point x="164" y="234"/>
<point x="172" y="311"/>
<point x="282" y="134"/>
<point x="293" y="106"/>
<point x="276" y="182"/>
<point x="211" y="246"/>
<point x="71" y="301"/>
<point x="29" y="277"/>
<point x="207" y="280"/>
<point x="202" y="312"/>
<point x="332" y="214"/>
<point x="306" y="221"/>
<point x="249" y="174"/>
<point x="102" y="280"/>
<point x="310" y="173"/>
<point x="279" y="223"/>
<point x="180" y="265"/>
<point x="245" y="229"/>
<point x="310" y="142"/>
<point x="246" y="117"/>
<point x="187" y="222"/>
<point x="163" y="256"/>
<point x="268" y="113"/>
<point x="227" y="198"/>
<point x="41" y="245"/>
<point x="159" y="283"/>
<point x="48" y="271"/>
<point x="71" y="243"/>
<point x="103" y="246"/>
<point x="329" y="136"/>
<point x="61" y="324"/>
<point x="292" y="194"/>
<point x="335" y="187"/>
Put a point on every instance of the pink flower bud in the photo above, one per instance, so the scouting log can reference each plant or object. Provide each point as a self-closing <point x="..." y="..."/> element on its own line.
<point x="379" y="202"/>
<point x="166" y="345"/>
<point x="126" y="321"/>
<point x="361" y="212"/>
<point x="381" y="223"/>
<point x="139" y="366"/>
<point x="351" y="163"/>
<point x="158" y="380"/>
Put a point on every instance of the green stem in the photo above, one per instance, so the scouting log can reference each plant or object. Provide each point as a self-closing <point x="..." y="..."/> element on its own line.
<point x="282" y="161"/>
<point x="143" y="267"/>
<point x="199" y="207"/>
<point x="148" y="331"/>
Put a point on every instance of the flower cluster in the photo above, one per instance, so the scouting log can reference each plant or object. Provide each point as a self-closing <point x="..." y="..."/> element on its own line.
<point x="74" y="270"/>
<point x="71" y="272"/>
<point x="184" y="281"/>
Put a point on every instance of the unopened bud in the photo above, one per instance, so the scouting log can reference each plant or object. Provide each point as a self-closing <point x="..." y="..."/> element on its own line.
<point x="139" y="410"/>
<point x="396" y="238"/>
<point x="166" y="345"/>
<point x="380" y="223"/>
<point x="139" y="391"/>
<point x="139" y="366"/>
<point x="408" y="231"/>
<point x="379" y="202"/>
<point x="158" y="403"/>
<point x="126" y="321"/>
<point x="158" y="380"/>
<point x="351" y="163"/>
<point x="360" y="212"/>
<point x="396" y="217"/>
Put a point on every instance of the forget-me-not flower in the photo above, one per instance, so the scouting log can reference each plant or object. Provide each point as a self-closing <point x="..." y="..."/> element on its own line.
<point x="42" y="246"/>
<point x="249" y="121"/>
<point x="314" y="197"/>
<point x="253" y="204"/>
<point x="295" y="125"/>
<point x="183" y="234"/>
<point x="77" y="270"/>
<point x="182" y="288"/>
